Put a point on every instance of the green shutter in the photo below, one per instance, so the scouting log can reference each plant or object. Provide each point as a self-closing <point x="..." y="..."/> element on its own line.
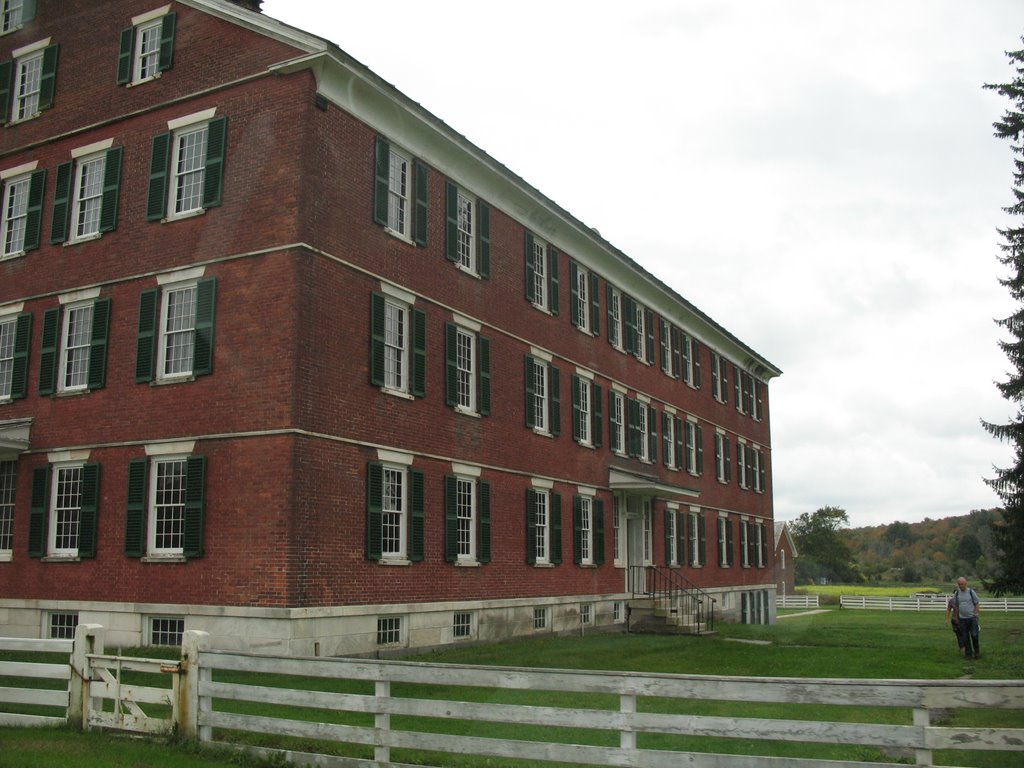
<point x="555" y="556"/>
<point x="554" y="402"/>
<point x="552" y="280"/>
<point x="202" y="350"/>
<point x="528" y="365"/>
<point x="667" y="445"/>
<point x="595" y="305"/>
<point x="652" y="435"/>
<point x="419" y="235"/>
<point x="111" y="189"/>
<point x="700" y="449"/>
<point x="613" y="423"/>
<point x="145" y="343"/>
<point x="633" y="435"/>
<point x="28" y="11"/>
<point x="374" y="510"/>
<point x="48" y="79"/>
<point x="691" y="539"/>
<point x="48" y="351"/>
<point x="451" y="519"/>
<point x="727" y="451"/>
<point x="677" y="362"/>
<point x="596" y="399"/>
<point x="98" y="344"/>
<point x="531" y="526"/>
<point x="37" y="511"/>
<point x="419" y="353"/>
<point x="761" y="471"/>
<point x="483" y="372"/>
<point x="61" y="203"/>
<point x="6" y="85"/>
<point x="135" y="514"/>
<point x="195" y="506"/>
<point x="632" y="340"/>
<point x="696" y="364"/>
<point x="377" y="339"/>
<point x="664" y="345"/>
<point x="678" y="434"/>
<point x="167" y="27"/>
<point x="574" y="294"/>
<point x="613" y="330"/>
<point x="681" y="538"/>
<point x="451" y="221"/>
<point x="156" y="200"/>
<point x="667" y="526"/>
<point x="216" y="149"/>
<point x="483" y="238"/>
<point x="577" y="530"/>
<point x="89" y="510"/>
<point x="416" y="516"/>
<point x="19" y="362"/>
<point x="598" y="523"/>
<point x="483" y="510"/>
<point x="34" y="212"/>
<point x="649" y="341"/>
<point x="576" y="415"/>
<point x="381" y="180"/>
<point x="124" y="56"/>
<point x="531" y="271"/>
<point x="451" y="364"/>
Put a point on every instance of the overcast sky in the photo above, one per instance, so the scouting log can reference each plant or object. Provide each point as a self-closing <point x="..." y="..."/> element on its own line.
<point x="819" y="177"/>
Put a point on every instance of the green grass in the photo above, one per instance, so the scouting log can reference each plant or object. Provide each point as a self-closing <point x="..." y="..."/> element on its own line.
<point x="840" y="643"/>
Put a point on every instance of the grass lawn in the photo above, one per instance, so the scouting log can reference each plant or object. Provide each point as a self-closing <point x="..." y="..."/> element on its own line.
<point x="839" y="643"/>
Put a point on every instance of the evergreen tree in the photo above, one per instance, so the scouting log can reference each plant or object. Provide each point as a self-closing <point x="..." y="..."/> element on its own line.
<point x="1008" y="482"/>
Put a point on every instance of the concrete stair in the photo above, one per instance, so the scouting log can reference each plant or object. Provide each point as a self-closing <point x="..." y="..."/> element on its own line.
<point x="661" y="617"/>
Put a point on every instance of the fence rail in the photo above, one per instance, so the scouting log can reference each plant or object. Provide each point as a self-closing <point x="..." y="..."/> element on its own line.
<point x="35" y="697"/>
<point x="796" y="601"/>
<point x="922" y="603"/>
<point x="375" y="707"/>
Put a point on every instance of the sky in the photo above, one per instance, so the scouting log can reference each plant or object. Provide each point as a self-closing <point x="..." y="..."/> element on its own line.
<point x="819" y="177"/>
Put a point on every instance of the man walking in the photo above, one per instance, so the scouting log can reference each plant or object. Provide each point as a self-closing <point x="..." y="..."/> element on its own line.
<point x="964" y="604"/>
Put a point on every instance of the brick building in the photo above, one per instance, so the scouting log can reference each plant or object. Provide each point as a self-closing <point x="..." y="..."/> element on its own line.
<point x="285" y="358"/>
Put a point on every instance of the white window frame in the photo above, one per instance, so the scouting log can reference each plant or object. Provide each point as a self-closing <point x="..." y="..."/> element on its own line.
<point x="619" y="412"/>
<point x="166" y="336"/>
<point x="146" y="60"/>
<point x="28" y="78"/>
<point x="640" y="323"/>
<point x="60" y="625"/>
<point x="8" y="335"/>
<point x="394" y="523"/>
<point x="618" y="528"/>
<point x="668" y="440"/>
<point x="463" y="625"/>
<point x="723" y="541"/>
<point x="721" y="457"/>
<point x="166" y="506"/>
<point x="467" y="515"/>
<point x="64" y="513"/>
<point x="644" y="412"/>
<point x="690" y="447"/>
<point x="583" y="394"/>
<point x="586" y="530"/>
<point x="87" y="197"/>
<point x="15" y="214"/>
<point x="8" y="494"/>
<point x="583" y="298"/>
<point x="745" y="542"/>
<point x="648" y="532"/>
<point x="755" y="456"/>
<point x="542" y="516"/>
<point x="193" y="176"/>
<point x="741" y="463"/>
<point x="466" y="369"/>
<point x="721" y="378"/>
<point x="397" y="345"/>
<point x="400" y="185"/>
<point x="615" y="320"/>
<point x="465" y="250"/>
<point x="74" y="351"/>
<point x="541" y="396"/>
<point x="540" y="274"/>
<point x="10" y="15"/>
<point x="586" y="613"/>
<point x="541" y="618"/>
<point x="671" y="541"/>
<point x="173" y="626"/>
<point x="694" y="539"/>
<point x="688" y="360"/>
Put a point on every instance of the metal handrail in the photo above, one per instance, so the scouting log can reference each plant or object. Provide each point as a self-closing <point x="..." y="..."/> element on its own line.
<point x="684" y="597"/>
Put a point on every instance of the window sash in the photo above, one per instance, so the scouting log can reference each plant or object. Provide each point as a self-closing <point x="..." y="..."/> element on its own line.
<point x="540" y="279"/>
<point x="465" y="513"/>
<point x="88" y="195"/>
<point x="542" y="522"/>
<point x="465" y="363"/>
<point x="11" y="15"/>
<point x="582" y="308"/>
<point x="398" y="192"/>
<point x="167" y="494"/>
<point x="147" y="47"/>
<point x="615" y="314"/>
<point x="396" y="347"/>
<point x="8" y="477"/>
<point x="583" y="396"/>
<point x="15" y="214"/>
<point x="586" y="531"/>
<point x="75" y="351"/>
<point x="465" y="242"/>
<point x="672" y="554"/>
<point x="28" y="85"/>
<point x="66" y="510"/>
<point x="178" y="316"/>
<point x="540" y="395"/>
<point x="188" y="165"/>
<point x="393" y="513"/>
<point x="8" y="333"/>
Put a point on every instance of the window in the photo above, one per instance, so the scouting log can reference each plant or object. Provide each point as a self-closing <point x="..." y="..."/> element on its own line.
<point x="62" y="515"/>
<point x="540" y="618"/>
<point x="696" y="540"/>
<point x="14" y="13"/>
<point x="27" y="82"/>
<point x="8" y="485"/>
<point x="543" y="405"/>
<point x="462" y="625"/>
<point x="671" y="538"/>
<point x="88" y="188"/>
<point x="22" y="212"/>
<point x="541" y="274"/>
<point x="759" y="542"/>
<point x="586" y="411"/>
<point x="166" y="630"/>
<point x="725" y="542"/>
<point x="165" y="506"/>
<point x="147" y="48"/>
<point x="616" y="422"/>
<point x="467" y="520"/>
<point x="543" y="527"/>
<point x="400" y="193"/>
<point x="394" y="525"/>
<point x="468" y="231"/>
<point x="723" y="464"/>
<point x="672" y="440"/>
<point x="74" y="351"/>
<point x="389" y="630"/>
<point x="187" y="167"/>
<point x="615" y="331"/>
<point x="719" y="378"/>
<point x="639" y="322"/>
<point x="694" y="447"/>
<point x="757" y="471"/>
<point x="742" y="468"/>
<point x="642" y="432"/>
<point x="62" y="626"/>
<point x="691" y="361"/>
<point x="586" y="613"/>
<point x="648" y="533"/>
<point x="618" y="614"/>
<point x="15" y="335"/>
<point x="671" y="349"/>
<point x="618" y="530"/>
<point x="586" y="311"/>
<point x="746" y="544"/>
<point x="588" y="530"/>
<point x="397" y="346"/>
<point x="467" y="370"/>
<point x="176" y="330"/>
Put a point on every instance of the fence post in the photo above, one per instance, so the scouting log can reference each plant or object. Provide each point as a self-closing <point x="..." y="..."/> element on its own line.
<point x="627" y="737"/>
<point x="193" y="675"/>
<point x="89" y="638"/>
<point x="382" y="723"/>
<point x="923" y="719"/>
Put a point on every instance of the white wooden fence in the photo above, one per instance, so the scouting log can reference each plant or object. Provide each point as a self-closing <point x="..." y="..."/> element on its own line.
<point x="365" y="704"/>
<point x="56" y="697"/>
<point x="796" y="601"/>
<point x="922" y="603"/>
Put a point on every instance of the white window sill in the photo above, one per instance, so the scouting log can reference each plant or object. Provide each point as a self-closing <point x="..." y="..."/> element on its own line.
<point x="12" y="30"/>
<point x="544" y="565"/>
<point x="83" y="239"/>
<point x="541" y="308"/>
<point x="14" y="255"/>
<point x="394" y="561"/>
<point x="72" y="392"/>
<point x="396" y="234"/>
<point x="168" y="558"/>
<point x="397" y="393"/>
<point x="467" y="563"/>
<point x="6" y="556"/>
<point x="468" y="270"/>
<point x="467" y="411"/>
<point x="542" y="432"/>
<point x="183" y="215"/>
<point x="68" y="558"/>
<point x="20" y="120"/>
<point x="144" y="80"/>
<point x="161" y="381"/>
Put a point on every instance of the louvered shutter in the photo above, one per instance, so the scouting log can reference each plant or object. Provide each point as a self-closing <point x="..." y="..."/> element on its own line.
<point x="381" y="180"/>
<point x="483" y="239"/>
<point x="48" y="351"/>
<point x="202" y="350"/>
<point x="48" y="78"/>
<point x="167" y="29"/>
<point x="61" y="203"/>
<point x="124" y="56"/>
<point x="6" y="86"/>
<point x="577" y="530"/>
<point x="531" y="526"/>
<point x="574" y="294"/>
<point x="34" y="211"/>
<point x="596" y="399"/>
<point x="38" y="511"/>
<point x="111" y="189"/>
<point x="195" y="506"/>
<point x="135" y="514"/>
<point x="451" y="221"/>
<point x="595" y="305"/>
<point x="598" y="513"/>
<point x="416" y="515"/>
<point x="552" y="280"/>
<point x="556" y="528"/>
<point x="483" y="510"/>
<point x="483" y="370"/>
<point x="145" y="345"/>
<point x="156" y="199"/>
<point x="216" y="150"/>
<point x="19" y="361"/>
<point x="451" y="519"/>
<point x="374" y="510"/>
<point x="418" y="358"/>
<point x="530" y="391"/>
<point x="531" y="270"/>
<point x="576" y="415"/>
<point x="89" y="511"/>
<point x="554" y="402"/>
<point x="451" y="364"/>
<point x="420" y="218"/>
<point x="377" y="334"/>
<point x="98" y="341"/>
